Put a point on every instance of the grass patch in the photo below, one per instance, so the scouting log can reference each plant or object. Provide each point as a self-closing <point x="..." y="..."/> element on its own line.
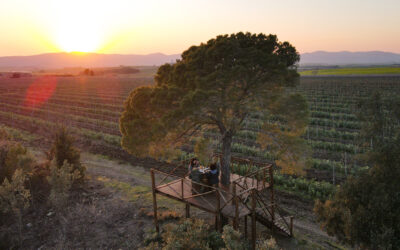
<point x="17" y="134"/>
<point x="136" y="193"/>
<point x="353" y="71"/>
<point x="146" y="71"/>
<point x="132" y="193"/>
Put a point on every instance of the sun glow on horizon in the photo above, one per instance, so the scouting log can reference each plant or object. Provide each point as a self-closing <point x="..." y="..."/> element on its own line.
<point x="77" y="41"/>
<point x="78" y="26"/>
<point x="170" y="27"/>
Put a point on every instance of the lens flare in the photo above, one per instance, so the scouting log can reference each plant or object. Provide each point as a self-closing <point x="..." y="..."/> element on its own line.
<point x="40" y="91"/>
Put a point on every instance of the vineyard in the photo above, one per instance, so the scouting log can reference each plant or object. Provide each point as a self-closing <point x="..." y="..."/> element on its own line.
<point x="32" y="108"/>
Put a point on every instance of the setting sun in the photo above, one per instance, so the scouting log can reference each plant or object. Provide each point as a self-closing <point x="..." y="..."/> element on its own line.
<point x="81" y="40"/>
<point x="78" y="26"/>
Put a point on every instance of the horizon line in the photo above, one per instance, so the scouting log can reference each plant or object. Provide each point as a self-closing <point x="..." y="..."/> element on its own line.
<point x="161" y="53"/>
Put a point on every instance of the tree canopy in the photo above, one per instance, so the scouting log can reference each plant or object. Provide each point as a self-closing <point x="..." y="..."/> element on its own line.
<point x="215" y="85"/>
<point x="365" y="210"/>
<point x="381" y="118"/>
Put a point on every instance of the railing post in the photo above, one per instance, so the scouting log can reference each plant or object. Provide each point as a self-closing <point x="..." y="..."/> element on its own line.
<point x="253" y="219"/>
<point x="252" y="179"/>
<point x="233" y="192"/>
<point x="258" y="178"/>
<point x="218" y="213"/>
<point x="236" y="222"/>
<point x="263" y="180"/>
<point x="271" y="184"/>
<point x="245" y="226"/>
<point x="153" y="187"/>
<point x="183" y="194"/>
<point x="187" y="209"/>
<point x="291" y="226"/>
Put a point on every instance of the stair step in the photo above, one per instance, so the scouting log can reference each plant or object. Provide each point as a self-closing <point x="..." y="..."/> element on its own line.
<point x="277" y="226"/>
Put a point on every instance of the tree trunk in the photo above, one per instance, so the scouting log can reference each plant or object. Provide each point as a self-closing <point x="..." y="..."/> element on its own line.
<point x="226" y="159"/>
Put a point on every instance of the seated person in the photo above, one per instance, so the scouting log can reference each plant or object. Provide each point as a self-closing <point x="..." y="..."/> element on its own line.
<point x="195" y="175"/>
<point x="213" y="175"/>
<point x="194" y="162"/>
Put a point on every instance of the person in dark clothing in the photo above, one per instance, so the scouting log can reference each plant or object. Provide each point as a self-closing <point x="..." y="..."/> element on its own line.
<point x="194" y="162"/>
<point x="195" y="175"/>
<point x="213" y="175"/>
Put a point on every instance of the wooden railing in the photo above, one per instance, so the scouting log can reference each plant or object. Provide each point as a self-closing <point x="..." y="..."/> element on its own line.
<point x="220" y="193"/>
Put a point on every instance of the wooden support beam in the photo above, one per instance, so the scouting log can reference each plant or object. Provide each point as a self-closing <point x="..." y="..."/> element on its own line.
<point x="253" y="219"/>
<point x="245" y="226"/>
<point x="183" y="193"/>
<point x="236" y="221"/>
<point x="273" y="211"/>
<point x="263" y="178"/>
<point x="187" y="209"/>
<point x="235" y="203"/>
<point x="233" y="192"/>
<point x="218" y="224"/>
<point x="153" y="187"/>
<point x="271" y="188"/>
<point x="291" y="226"/>
<point x="257" y="180"/>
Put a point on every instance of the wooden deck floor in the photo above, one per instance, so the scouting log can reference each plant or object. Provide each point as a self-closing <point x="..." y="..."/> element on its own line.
<point x="208" y="202"/>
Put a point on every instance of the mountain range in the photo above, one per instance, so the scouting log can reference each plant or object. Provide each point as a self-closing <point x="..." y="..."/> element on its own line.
<point x="349" y="58"/>
<point x="76" y="59"/>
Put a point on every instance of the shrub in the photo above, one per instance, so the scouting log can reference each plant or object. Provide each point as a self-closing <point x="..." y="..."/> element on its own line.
<point x="269" y="244"/>
<point x="61" y="180"/>
<point x="196" y="234"/>
<point x="4" y="135"/>
<point x="232" y="239"/>
<point x="189" y="234"/>
<point x="14" y="156"/>
<point x="14" y="197"/>
<point x="63" y="150"/>
<point x="215" y="240"/>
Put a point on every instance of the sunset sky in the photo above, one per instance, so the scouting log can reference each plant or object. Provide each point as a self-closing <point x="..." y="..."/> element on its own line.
<point x="140" y="27"/>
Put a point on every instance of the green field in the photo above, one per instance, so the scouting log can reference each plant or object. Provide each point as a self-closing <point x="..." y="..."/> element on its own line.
<point x="91" y="107"/>
<point x="353" y="71"/>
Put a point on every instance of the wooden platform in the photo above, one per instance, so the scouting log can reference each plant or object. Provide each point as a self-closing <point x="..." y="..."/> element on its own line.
<point x="242" y="198"/>
<point x="181" y="190"/>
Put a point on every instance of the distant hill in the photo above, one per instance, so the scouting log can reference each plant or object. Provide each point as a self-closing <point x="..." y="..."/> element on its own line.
<point x="61" y="60"/>
<point x="94" y="60"/>
<point x="349" y="58"/>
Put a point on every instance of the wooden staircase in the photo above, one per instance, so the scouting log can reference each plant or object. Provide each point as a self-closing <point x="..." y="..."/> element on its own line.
<point x="266" y="210"/>
<point x="270" y="215"/>
<point x="276" y="226"/>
